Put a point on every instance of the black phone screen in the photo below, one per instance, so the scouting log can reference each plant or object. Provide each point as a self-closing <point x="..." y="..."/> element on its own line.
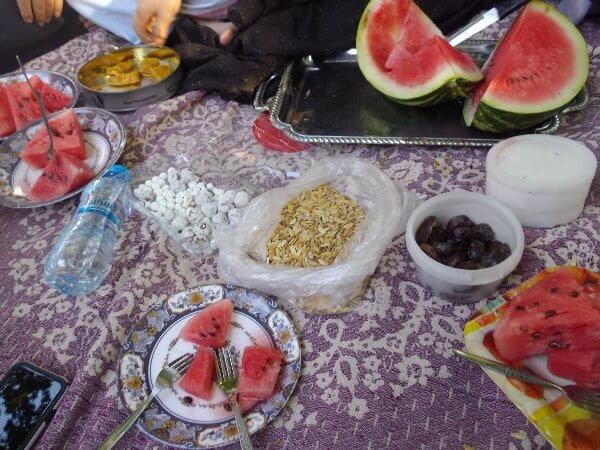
<point x="27" y="395"/>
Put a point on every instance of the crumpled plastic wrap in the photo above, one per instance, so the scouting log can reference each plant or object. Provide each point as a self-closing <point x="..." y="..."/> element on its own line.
<point x="328" y="289"/>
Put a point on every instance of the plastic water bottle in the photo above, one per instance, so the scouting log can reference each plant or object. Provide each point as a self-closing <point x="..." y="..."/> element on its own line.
<point x="82" y="257"/>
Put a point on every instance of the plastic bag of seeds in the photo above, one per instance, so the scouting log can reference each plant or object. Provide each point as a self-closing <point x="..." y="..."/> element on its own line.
<point x="317" y="241"/>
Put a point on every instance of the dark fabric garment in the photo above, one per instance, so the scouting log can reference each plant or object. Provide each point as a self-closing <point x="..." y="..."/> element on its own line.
<point x="271" y="32"/>
<point x="28" y="40"/>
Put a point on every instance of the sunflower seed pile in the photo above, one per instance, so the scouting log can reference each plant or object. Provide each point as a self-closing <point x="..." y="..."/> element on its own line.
<point x="313" y="228"/>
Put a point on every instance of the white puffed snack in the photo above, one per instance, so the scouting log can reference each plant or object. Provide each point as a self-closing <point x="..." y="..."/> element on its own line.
<point x="241" y="199"/>
<point x="234" y="215"/>
<point x="224" y="208"/>
<point x="219" y="218"/>
<point x="179" y="223"/>
<point x="187" y="232"/>
<point x="209" y="209"/>
<point x="203" y="197"/>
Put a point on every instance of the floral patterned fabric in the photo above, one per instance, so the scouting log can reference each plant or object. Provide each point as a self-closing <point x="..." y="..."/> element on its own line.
<point x="383" y="376"/>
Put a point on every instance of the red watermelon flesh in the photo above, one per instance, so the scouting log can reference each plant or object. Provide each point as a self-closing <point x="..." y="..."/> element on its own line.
<point x="555" y="313"/>
<point x="7" y="124"/>
<point x="210" y="326"/>
<point x="59" y="178"/>
<point x="53" y="99"/>
<point x="539" y="66"/>
<point x="67" y="138"/>
<point x="198" y="379"/>
<point x="23" y="104"/>
<point x="258" y="372"/>
<point x="580" y="366"/>
<point x="404" y="55"/>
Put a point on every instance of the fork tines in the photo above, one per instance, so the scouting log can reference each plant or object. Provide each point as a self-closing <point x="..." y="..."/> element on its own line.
<point x="181" y="364"/>
<point x="226" y="366"/>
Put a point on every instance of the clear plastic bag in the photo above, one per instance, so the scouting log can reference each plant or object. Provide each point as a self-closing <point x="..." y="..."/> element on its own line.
<point x="328" y="289"/>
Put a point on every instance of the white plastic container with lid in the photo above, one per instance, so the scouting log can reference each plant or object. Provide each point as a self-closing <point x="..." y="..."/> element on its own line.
<point x="460" y="285"/>
<point x="544" y="179"/>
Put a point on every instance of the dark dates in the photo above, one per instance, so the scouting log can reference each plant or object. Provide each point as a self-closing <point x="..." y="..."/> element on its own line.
<point x="461" y="243"/>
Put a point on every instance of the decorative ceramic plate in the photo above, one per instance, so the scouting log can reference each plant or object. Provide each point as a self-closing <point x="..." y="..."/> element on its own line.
<point x="58" y="81"/>
<point x="104" y="138"/>
<point x="179" y="419"/>
<point x="563" y="424"/>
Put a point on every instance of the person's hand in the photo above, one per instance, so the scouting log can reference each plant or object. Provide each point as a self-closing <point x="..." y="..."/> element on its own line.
<point x="42" y="11"/>
<point x="153" y="18"/>
<point x="225" y="30"/>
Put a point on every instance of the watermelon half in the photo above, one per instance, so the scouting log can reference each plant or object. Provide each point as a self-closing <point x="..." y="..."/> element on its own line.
<point x="540" y="65"/>
<point x="198" y="379"/>
<point x="210" y="326"/>
<point x="258" y="372"/>
<point x="405" y="56"/>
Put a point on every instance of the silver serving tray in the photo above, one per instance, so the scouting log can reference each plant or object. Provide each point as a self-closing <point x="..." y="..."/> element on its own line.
<point x="330" y="102"/>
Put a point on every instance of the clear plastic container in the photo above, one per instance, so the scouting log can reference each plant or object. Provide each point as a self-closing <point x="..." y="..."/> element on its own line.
<point x="227" y="160"/>
<point x="460" y="285"/>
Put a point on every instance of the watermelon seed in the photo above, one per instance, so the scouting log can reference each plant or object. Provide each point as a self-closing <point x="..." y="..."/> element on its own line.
<point x="536" y="335"/>
<point x="227" y="407"/>
<point x="557" y="344"/>
<point x="574" y="294"/>
<point x="520" y="308"/>
<point x="187" y="400"/>
<point x="203" y="335"/>
<point x="524" y="328"/>
<point x="536" y="303"/>
<point x="549" y="313"/>
<point x="212" y="334"/>
<point x="553" y="289"/>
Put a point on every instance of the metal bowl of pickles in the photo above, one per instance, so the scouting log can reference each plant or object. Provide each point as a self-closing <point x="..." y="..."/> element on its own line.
<point x="129" y="78"/>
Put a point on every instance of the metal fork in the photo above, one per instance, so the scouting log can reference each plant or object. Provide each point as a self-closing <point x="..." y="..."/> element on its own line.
<point x="585" y="398"/>
<point x="227" y="381"/>
<point x="38" y="99"/>
<point x="166" y="378"/>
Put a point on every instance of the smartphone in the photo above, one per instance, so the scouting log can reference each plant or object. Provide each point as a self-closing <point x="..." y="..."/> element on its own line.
<point x="29" y="396"/>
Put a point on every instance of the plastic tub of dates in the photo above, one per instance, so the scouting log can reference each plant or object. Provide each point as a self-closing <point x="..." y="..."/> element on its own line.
<point x="464" y="244"/>
<point x="188" y="197"/>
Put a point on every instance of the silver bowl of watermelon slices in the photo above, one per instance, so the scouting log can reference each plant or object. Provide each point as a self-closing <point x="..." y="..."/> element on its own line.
<point x="87" y="142"/>
<point x="18" y="107"/>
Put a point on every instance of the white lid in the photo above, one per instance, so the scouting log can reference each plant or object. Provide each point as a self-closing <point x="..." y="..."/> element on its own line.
<point x="541" y="163"/>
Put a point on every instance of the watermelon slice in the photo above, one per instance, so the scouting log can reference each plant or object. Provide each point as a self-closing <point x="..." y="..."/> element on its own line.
<point x="258" y="372"/>
<point x="554" y="314"/>
<point x="60" y="177"/>
<point x="198" y="379"/>
<point x="23" y="104"/>
<point x="53" y="99"/>
<point x="539" y="66"/>
<point x="405" y="56"/>
<point x="272" y="138"/>
<point x="7" y="124"/>
<point x="210" y="326"/>
<point x="580" y="366"/>
<point x="67" y="138"/>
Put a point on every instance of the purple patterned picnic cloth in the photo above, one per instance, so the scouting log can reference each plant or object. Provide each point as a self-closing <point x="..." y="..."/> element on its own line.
<point x="383" y="376"/>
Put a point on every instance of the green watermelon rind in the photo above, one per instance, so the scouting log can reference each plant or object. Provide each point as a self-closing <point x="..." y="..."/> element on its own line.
<point x="495" y="115"/>
<point x="447" y="85"/>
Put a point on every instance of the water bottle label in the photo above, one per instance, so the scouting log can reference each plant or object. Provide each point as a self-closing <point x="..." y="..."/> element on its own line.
<point x="102" y="210"/>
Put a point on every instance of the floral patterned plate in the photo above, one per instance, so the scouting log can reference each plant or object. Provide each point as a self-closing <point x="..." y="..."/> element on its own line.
<point x="104" y="137"/>
<point x="178" y="419"/>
